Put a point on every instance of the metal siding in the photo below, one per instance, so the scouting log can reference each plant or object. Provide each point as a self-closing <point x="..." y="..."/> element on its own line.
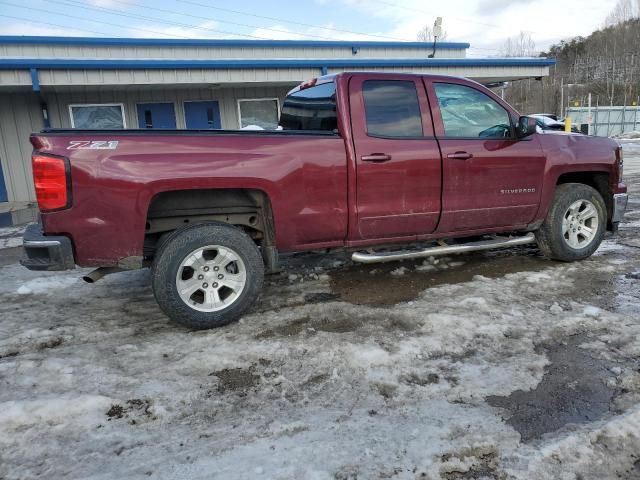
<point x="19" y="116"/>
<point x="251" y="52"/>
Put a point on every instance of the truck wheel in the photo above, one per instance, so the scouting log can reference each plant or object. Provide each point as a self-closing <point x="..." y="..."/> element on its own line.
<point x="575" y="223"/>
<point x="207" y="275"/>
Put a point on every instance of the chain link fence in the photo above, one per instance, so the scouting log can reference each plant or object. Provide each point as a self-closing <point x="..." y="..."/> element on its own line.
<point x="606" y="121"/>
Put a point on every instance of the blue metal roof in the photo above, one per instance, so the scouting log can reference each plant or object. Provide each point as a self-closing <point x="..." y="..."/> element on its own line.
<point x="161" y="42"/>
<point x="134" y="64"/>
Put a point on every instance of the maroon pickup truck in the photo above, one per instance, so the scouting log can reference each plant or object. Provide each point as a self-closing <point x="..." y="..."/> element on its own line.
<point x="385" y="166"/>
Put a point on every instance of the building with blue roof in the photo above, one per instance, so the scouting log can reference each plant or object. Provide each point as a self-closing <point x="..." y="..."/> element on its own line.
<point x="83" y="82"/>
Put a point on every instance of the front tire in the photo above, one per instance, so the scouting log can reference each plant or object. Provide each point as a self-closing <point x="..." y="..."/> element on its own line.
<point x="575" y="224"/>
<point x="207" y="275"/>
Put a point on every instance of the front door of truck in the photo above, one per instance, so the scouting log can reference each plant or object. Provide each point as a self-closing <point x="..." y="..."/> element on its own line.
<point x="397" y="157"/>
<point x="490" y="178"/>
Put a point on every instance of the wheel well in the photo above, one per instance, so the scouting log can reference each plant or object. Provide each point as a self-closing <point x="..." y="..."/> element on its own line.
<point x="247" y="209"/>
<point x="597" y="180"/>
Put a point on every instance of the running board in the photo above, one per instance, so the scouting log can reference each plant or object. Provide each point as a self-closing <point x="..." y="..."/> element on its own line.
<point x="363" y="257"/>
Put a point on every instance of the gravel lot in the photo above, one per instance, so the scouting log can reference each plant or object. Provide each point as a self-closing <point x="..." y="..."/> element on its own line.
<point x="500" y="365"/>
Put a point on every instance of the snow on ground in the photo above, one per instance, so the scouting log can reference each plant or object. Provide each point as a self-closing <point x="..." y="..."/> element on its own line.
<point x="320" y="383"/>
<point x="11" y="237"/>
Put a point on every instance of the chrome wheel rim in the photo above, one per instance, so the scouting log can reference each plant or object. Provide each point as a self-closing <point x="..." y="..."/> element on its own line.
<point x="211" y="278"/>
<point x="580" y="224"/>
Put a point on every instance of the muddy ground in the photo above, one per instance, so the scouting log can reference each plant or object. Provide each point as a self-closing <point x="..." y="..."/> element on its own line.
<point x="499" y="365"/>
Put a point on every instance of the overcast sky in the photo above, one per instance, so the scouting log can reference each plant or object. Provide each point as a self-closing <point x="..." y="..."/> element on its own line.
<point x="483" y="23"/>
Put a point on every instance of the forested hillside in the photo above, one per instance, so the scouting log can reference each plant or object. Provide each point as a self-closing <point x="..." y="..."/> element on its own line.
<point x="606" y="63"/>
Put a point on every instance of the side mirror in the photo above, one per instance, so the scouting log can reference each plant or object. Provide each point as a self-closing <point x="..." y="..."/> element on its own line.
<point x="526" y="126"/>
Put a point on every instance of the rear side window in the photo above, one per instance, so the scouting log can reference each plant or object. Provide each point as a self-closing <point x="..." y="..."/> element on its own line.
<point x="313" y="108"/>
<point x="469" y="113"/>
<point x="392" y="108"/>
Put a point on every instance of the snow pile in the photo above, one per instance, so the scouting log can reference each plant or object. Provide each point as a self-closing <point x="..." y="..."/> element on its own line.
<point x="85" y="411"/>
<point x="628" y="136"/>
<point x="47" y="284"/>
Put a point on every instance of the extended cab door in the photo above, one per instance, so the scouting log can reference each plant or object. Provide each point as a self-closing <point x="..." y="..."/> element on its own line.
<point x="490" y="178"/>
<point x="397" y="157"/>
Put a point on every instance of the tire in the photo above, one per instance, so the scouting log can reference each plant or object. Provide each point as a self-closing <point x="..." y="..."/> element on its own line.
<point x="207" y="275"/>
<point x="563" y="235"/>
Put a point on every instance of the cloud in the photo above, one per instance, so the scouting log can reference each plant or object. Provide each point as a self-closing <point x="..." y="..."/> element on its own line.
<point x="107" y="3"/>
<point x="492" y="7"/>
<point x="207" y="29"/>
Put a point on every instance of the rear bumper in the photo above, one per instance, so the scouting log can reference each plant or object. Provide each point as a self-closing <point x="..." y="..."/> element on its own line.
<point x="46" y="252"/>
<point x="619" y="206"/>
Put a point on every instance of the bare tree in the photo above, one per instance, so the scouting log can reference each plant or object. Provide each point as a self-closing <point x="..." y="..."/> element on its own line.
<point x="519" y="46"/>
<point x="623" y="11"/>
<point x="425" y="34"/>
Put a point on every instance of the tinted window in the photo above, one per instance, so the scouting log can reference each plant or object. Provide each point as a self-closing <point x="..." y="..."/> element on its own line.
<point x="467" y="112"/>
<point x="392" y="108"/>
<point x="313" y="108"/>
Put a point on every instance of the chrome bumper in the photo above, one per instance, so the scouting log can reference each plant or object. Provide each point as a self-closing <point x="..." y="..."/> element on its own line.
<point x="619" y="206"/>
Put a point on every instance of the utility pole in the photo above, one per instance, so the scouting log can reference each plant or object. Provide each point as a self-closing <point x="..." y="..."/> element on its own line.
<point x="589" y="116"/>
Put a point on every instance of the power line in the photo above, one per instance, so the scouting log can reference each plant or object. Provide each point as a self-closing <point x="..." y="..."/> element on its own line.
<point x="66" y="27"/>
<point x="284" y="20"/>
<point x="94" y="21"/>
<point x="111" y="11"/>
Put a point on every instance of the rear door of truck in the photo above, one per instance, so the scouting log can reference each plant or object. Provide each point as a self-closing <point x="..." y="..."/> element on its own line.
<point x="398" y="163"/>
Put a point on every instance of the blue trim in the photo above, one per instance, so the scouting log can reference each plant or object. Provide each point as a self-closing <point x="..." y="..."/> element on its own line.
<point x="161" y="42"/>
<point x="35" y="81"/>
<point x="76" y="64"/>
<point x="3" y="188"/>
<point x="324" y="70"/>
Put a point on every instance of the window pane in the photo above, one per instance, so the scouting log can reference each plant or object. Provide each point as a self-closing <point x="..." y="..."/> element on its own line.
<point x="97" y="116"/>
<point x="392" y="108"/>
<point x="311" y="109"/>
<point x="466" y="112"/>
<point x="260" y="113"/>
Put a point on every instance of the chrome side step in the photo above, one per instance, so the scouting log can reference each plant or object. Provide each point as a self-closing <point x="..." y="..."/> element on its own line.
<point x="372" y="257"/>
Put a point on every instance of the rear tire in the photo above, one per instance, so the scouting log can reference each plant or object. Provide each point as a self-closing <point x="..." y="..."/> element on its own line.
<point x="575" y="224"/>
<point x="207" y="275"/>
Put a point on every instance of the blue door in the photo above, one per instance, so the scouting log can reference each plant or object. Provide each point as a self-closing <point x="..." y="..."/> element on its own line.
<point x="203" y="115"/>
<point x="156" y="115"/>
<point x="3" y="188"/>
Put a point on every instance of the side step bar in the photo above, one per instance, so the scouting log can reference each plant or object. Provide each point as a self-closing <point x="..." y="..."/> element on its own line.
<point x="363" y="257"/>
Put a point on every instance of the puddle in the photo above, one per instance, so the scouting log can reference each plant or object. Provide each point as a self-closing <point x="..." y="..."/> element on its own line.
<point x="573" y="390"/>
<point x="376" y="285"/>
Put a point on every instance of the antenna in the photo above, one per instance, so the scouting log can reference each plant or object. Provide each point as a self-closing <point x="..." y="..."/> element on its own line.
<point x="437" y="33"/>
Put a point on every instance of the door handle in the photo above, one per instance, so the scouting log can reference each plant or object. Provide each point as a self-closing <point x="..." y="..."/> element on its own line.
<point x="376" y="157"/>
<point x="460" y="156"/>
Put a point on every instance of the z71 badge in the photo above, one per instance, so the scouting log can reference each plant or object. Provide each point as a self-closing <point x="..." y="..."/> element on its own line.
<point x="93" y="145"/>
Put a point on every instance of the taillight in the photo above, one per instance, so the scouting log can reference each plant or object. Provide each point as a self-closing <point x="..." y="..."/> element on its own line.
<point x="50" y="176"/>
